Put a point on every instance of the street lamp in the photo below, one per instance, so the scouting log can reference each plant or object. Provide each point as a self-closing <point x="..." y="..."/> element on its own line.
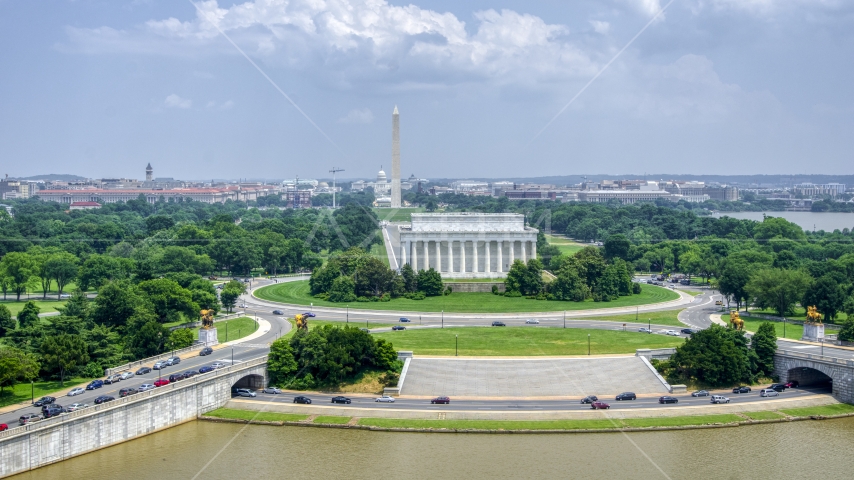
<point x="588" y="344"/>
<point x="348" y="313"/>
<point x="443" y="319"/>
<point x="457" y="345"/>
<point x="784" y="327"/>
<point x="564" y="319"/>
<point x="33" y="390"/>
<point x="649" y="327"/>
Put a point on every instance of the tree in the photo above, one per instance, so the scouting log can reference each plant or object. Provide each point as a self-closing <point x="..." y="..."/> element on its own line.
<point x="230" y="293"/>
<point x="7" y="323"/>
<point x="16" y="365"/>
<point x="146" y="337"/>
<point x="168" y="299"/>
<point x="373" y="277"/>
<point x="827" y="294"/>
<point x="116" y="303"/>
<point x="764" y="344"/>
<point x="321" y="278"/>
<point x="410" y="282"/>
<point x="181" y="338"/>
<point x="778" y="289"/>
<point x="63" y="352"/>
<point x="733" y="281"/>
<point x="515" y="280"/>
<point x="97" y="270"/>
<point x="19" y="270"/>
<point x="846" y="333"/>
<point x="40" y="257"/>
<point x="533" y="278"/>
<point x="281" y="364"/>
<point x="29" y="315"/>
<point x="569" y="285"/>
<point x="62" y="268"/>
<point x="617" y="246"/>
<point x="343" y="290"/>
<point x="430" y="282"/>
<point x="716" y="356"/>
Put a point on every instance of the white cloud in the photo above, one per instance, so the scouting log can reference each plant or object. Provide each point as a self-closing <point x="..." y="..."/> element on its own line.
<point x="358" y="116"/>
<point x="647" y="7"/>
<point x="600" y="26"/>
<point x="174" y="101"/>
<point x="226" y="105"/>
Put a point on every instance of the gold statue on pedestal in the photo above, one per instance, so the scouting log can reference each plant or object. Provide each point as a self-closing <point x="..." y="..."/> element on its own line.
<point x="207" y="319"/>
<point x="812" y="315"/>
<point x="735" y="321"/>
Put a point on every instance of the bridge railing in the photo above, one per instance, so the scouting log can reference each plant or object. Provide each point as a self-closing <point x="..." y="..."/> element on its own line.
<point x="120" y="402"/>
<point x="818" y="358"/>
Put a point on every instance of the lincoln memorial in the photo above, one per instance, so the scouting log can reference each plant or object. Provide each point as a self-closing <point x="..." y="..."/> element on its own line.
<point x="467" y="245"/>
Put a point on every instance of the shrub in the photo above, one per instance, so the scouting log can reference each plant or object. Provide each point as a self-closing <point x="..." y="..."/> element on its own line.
<point x="636" y="289"/>
<point x="512" y="294"/>
<point x="92" y="370"/>
<point x="448" y="291"/>
<point x="416" y="296"/>
<point x="495" y="289"/>
<point x="389" y="378"/>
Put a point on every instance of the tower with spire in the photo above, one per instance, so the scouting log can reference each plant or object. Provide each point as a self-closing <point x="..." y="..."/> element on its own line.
<point x="149" y="173"/>
<point x="395" y="159"/>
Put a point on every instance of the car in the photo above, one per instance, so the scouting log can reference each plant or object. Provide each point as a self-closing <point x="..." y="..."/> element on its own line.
<point x="64" y="296"/>
<point x="44" y="401"/>
<point x="302" y="399"/>
<point x="718" y="302"/>
<point x="340" y="399"/>
<point x="176" y="377"/>
<point x="385" y="398"/>
<point x="3" y="427"/>
<point x="398" y="327"/>
<point x="95" y="384"/>
<point x="127" y="391"/>
<point x="76" y="406"/>
<point x="190" y="373"/>
<point x="404" y="320"/>
<point x="532" y="321"/>
<point x="365" y="330"/>
<point x="112" y="379"/>
<point x="273" y="390"/>
<point x="278" y="312"/>
<point x="242" y="305"/>
<point x="145" y="387"/>
<point x="741" y="389"/>
<point x="700" y="393"/>
<point x="76" y="391"/>
<point x="143" y="370"/>
<point x="672" y="333"/>
<point x="779" y="387"/>
<point x="205" y="351"/>
<point x="793" y="384"/>
<point x="206" y="369"/>
<point x="126" y="375"/>
<point x="28" y="418"/>
<point x="590" y="399"/>
<point x="441" y="401"/>
<point x="104" y="399"/>
<point x="243" y="392"/>
<point x="173" y="361"/>
<point x="160" y="365"/>
<point x="644" y="330"/>
<point x="161" y="382"/>
<point x="767" y="392"/>
<point x="216" y="365"/>
<point x="668" y="399"/>
<point x="498" y="324"/>
<point x="626" y="396"/>
<point x="52" y="410"/>
<point x="600" y="406"/>
<point x="720" y="399"/>
<point x="688" y="331"/>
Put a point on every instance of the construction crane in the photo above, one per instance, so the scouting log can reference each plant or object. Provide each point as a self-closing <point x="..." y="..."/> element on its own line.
<point x="333" y="172"/>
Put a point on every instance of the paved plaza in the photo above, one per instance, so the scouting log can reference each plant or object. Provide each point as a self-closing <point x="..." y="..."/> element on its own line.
<point x="528" y="377"/>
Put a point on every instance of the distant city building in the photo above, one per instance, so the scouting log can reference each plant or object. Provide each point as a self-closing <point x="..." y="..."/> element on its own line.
<point x="8" y="208"/>
<point x="149" y="173"/>
<point x="204" y="195"/>
<point x="382" y="185"/>
<point x="84" y="205"/>
<point x="10" y="189"/>
<point x="815" y="190"/>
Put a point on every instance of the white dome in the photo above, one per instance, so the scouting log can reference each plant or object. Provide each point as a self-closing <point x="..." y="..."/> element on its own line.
<point x="381" y="178"/>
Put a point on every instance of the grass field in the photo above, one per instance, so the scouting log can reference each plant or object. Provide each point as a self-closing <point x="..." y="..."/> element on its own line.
<point x="836" y="409"/>
<point x="667" y="317"/>
<point x="792" y="331"/>
<point x="379" y="252"/>
<point x="565" y="245"/>
<point x="331" y="419"/>
<point x="312" y="323"/>
<point x="298" y="293"/>
<point x="762" y="415"/>
<point x="523" y="341"/>
<point x="236" y="328"/>
<point x="45" y="306"/>
<point x="257" y="416"/>
<point x="22" y="392"/>
<point x="396" y="214"/>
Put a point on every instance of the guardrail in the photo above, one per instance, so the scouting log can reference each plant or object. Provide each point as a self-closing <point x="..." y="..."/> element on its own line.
<point x="819" y="358"/>
<point x="120" y="402"/>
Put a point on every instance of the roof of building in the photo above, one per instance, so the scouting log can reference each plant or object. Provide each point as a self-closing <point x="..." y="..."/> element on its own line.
<point x="85" y="204"/>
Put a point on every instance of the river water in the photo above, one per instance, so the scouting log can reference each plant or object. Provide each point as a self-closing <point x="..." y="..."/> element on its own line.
<point x="808" y="449"/>
<point x="827" y="221"/>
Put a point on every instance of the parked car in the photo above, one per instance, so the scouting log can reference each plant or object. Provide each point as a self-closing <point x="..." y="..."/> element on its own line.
<point x="190" y="373"/>
<point x="128" y="391"/>
<point x="243" y="392"/>
<point x="3" y="427"/>
<point x="672" y="333"/>
<point x="145" y="387"/>
<point x="44" y="401"/>
<point x="76" y="406"/>
<point x="741" y="389"/>
<point x="340" y="399"/>
<point x="205" y="351"/>
<point x="498" y="324"/>
<point x="626" y="396"/>
<point x="668" y="399"/>
<point x="720" y="399"/>
<point x="385" y="398"/>
<point x="206" y="369"/>
<point x="688" y="331"/>
<point x="793" y="384"/>
<point x="600" y="406"/>
<point x="589" y="399"/>
<point x="161" y="382"/>
<point x="532" y="321"/>
<point x="173" y="361"/>
<point x="104" y="399"/>
<point x="365" y="330"/>
<point x="143" y="370"/>
<point x="175" y="377"/>
<point x="272" y="390"/>
<point x="112" y="379"/>
<point x="398" y="327"/>
<point x="126" y="375"/>
<point x="95" y="384"/>
<point x="767" y="392"/>
<point x="700" y="393"/>
<point x="52" y="410"/>
<point x="302" y="399"/>
<point x="278" y="312"/>
<point x="404" y="320"/>
<point x="644" y="330"/>
<point x="441" y="400"/>
<point x="160" y="365"/>
<point x="76" y="391"/>
<point x="28" y="418"/>
<point x="216" y="365"/>
<point x="779" y="387"/>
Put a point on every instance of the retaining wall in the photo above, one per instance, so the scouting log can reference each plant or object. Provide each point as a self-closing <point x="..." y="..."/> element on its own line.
<point x="474" y="287"/>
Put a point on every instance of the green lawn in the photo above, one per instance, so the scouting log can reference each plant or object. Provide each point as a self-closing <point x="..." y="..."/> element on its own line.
<point x="236" y="328"/>
<point x="762" y="415"/>
<point x="836" y="409"/>
<point x="565" y="245"/>
<point x="254" y="415"/>
<point x="379" y="252"/>
<point x="298" y="293"/>
<point x="45" y="306"/>
<point x="666" y="317"/>
<point x="793" y="331"/>
<point x="512" y="341"/>
<point x="396" y="214"/>
<point x="331" y="419"/>
<point x="312" y="323"/>
<point x="22" y="391"/>
<point x="594" y="424"/>
<point x="682" y="421"/>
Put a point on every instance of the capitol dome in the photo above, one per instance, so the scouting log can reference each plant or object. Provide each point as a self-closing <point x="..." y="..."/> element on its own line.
<point x="381" y="178"/>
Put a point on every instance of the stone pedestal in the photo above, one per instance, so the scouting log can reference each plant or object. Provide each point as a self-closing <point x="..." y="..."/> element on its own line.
<point x="208" y="337"/>
<point x="813" y="332"/>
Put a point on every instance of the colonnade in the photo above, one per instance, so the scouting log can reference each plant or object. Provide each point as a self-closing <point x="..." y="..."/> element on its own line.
<point x="466" y="256"/>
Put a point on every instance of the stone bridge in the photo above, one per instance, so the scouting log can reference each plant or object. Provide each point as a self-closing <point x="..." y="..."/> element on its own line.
<point x="809" y="369"/>
<point x="68" y="435"/>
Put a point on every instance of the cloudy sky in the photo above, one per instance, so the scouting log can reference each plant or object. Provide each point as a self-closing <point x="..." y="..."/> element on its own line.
<point x="277" y="88"/>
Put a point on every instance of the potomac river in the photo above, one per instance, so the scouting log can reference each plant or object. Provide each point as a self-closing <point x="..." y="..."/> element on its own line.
<point x="827" y="221"/>
<point x="210" y="451"/>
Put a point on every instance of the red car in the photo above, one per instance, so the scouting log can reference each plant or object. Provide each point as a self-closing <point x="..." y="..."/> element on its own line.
<point x="161" y="382"/>
<point x="599" y="405"/>
<point x="793" y="384"/>
<point x="444" y="400"/>
<point x="3" y="427"/>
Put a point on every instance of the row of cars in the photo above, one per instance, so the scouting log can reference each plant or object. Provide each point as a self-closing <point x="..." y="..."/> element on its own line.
<point x="772" y="391"/>
<point x="340" y="399"/>
<point x="672" y="333"/>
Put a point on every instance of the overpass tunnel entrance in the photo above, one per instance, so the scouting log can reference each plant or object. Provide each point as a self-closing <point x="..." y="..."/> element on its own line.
<point x="253" y="382"/>
<point x="810" y="377"/>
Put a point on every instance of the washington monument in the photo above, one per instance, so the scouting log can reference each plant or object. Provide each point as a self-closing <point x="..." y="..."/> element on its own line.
<point x="395" y="159"/>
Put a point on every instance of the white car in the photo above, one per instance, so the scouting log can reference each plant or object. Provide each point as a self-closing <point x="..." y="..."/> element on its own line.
<point x="720" y="399"/>
<point x="533" y="321"/>
<point x="64" y="296"/>
<point x="145" y="387"/>
<point x="385" y="398"/>
<point x="76" y="391"/>
<point x="672" y="333"/>
<point x="217" y="365"/>
<point x="644" y="330"/>
<point x="75" y="406"/>
<point x="126" y="375"/>
<point x="768" y="392"/>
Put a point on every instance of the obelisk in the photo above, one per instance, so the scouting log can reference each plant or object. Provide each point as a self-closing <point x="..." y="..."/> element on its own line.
<point x="395" y="159"/>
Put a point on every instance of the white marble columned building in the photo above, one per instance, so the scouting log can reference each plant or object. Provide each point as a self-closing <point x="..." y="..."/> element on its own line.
<point x="467" y="245"/>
